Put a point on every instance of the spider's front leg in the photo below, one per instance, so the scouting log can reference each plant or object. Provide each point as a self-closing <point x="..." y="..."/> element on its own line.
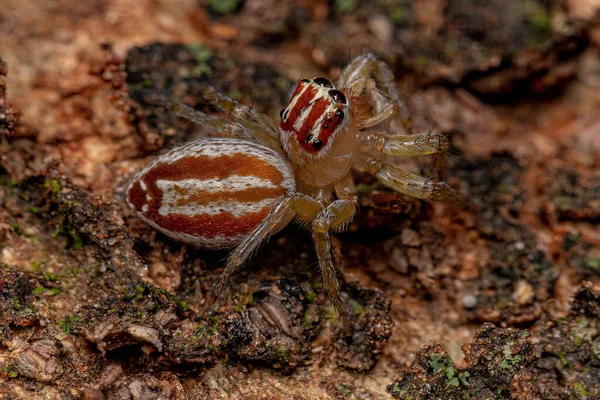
<point x="334" y="217"/>
<point x="428" y="143"/>
<point x="280" y="215"/>
<point x="372" y="79"/>
<point x="415" y="185"/>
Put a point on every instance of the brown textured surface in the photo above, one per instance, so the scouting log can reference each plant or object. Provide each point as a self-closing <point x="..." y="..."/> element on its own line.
<point x="95" y="304"/>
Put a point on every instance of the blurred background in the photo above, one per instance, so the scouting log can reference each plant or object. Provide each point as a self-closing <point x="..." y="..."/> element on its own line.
<point x="97" y="305"/>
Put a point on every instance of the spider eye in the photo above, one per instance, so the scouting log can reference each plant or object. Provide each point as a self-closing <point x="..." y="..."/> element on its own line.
<point x="339" y="114"/>
<point x="281" y="113"/>
<point x="337" y="96"/>
<point x="304" y="80"/>
<point x="317" y="144"/>
<point x="323" y="82"/>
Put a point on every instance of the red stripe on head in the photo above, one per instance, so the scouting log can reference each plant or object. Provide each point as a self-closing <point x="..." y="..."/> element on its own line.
<point x="330" y="123"/>
<point x="316" y="112"/>
<point x="303" y="101"/>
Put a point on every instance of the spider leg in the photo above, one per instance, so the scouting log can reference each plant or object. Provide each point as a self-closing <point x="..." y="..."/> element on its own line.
<point x="415" y="185"/>
<point x="373" y="79"/>
<point x="214" y="123"/>
<point x="330" y="281"/>
<point x="306" y="209"/>
<point x="420" y="144"/>
<point x="281" y="214"/>
<point x="264" y="128"/>
<point x="334" y="217"/>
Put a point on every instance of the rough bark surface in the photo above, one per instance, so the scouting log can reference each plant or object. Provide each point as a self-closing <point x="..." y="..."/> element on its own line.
<point x="494" y="298"/>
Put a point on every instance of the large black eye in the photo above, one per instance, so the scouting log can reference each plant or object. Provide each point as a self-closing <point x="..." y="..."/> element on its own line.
<point x="304" y="80"/>
<point x="317" y="144"/>
<point x="281" y="113"/>
<point x="337" y="96"/>
<point x="323" y="82"/>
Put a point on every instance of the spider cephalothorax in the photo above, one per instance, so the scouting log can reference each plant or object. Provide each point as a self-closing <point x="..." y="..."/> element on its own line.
<point x="237" y="191"/>
<point x="314" y="114"/>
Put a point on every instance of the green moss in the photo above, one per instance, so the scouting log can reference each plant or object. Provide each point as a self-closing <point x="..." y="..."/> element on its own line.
<point x="77" y="242"/>
<point x="283" y="352"/>
<point x="307" y="319"/>
<point x="212" y="347"/>
<point x="11" y="371"/>
<point x="139" y="292"/>
<point x="66" y="325"/>
<point x="358" y="309"/>
<point x="310" y="296"/>
<point x="398" y="15"/>
<point x="343" y="389"/>
<point x="444" y="366"/>
<point x="27" y="312"/>
<point x="16" y="303"/>
<point x="594" y="263"/>
<point x="21" y="232"/>
<point x="215" y="325"/>
<point x="363" y="189"/>
<point x="38" y="290"/>
<point x="54" y="185"/>
<point x="510" y="361"/>
<point x="202" y="56"/>
<point x="345" y="6"/>
<point x="199" y="333"/>
<point x="182" y="305"/>
<point x="224" y="6"/>
<point x="596" y="351"/>
<point x="395" y="389"/>
<point x="50" y="277"/>
<point x="580" y="390"/>
<point x="437" y="362"/>
<point x="563" y="359"/>
<point x="540" y="21"/>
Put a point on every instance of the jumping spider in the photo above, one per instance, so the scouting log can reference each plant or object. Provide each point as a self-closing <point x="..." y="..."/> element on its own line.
<point x="237" y="191"/>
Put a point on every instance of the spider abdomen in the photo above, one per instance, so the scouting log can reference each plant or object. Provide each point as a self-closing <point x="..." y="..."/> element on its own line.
<point x="211" y="192"/>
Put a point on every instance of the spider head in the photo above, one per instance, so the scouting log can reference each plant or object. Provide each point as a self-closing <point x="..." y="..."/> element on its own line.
<point x="313" y="117"/>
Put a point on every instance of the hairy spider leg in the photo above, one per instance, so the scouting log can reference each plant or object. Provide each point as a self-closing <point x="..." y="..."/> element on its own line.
<point x="415" y="185"/>
<point x="334" y="217"/>
<point x="363" y="76"/>
<point x="281" y="214"/>
<point x="265" y="129"/>
<point x="428" y="143"/>
<point x="216" y="124"/>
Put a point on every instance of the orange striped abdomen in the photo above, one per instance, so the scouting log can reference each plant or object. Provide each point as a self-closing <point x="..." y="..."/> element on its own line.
<point x="211" y="192"/>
